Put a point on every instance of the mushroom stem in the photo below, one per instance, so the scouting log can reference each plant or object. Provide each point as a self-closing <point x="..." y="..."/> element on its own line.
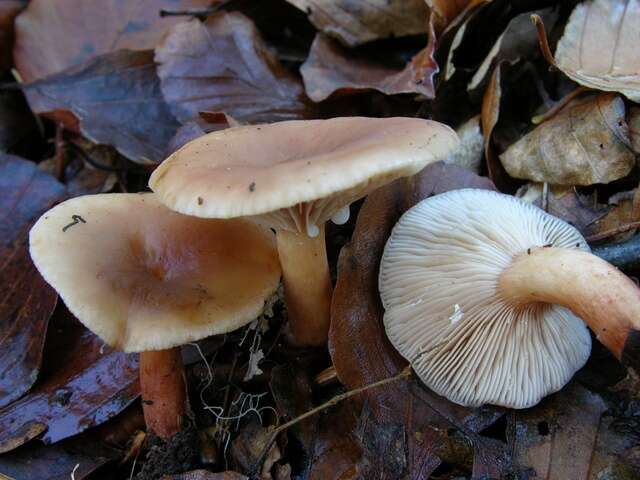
<point x="163" y="391"/>
<point x="606" y="299"/>
<point x="307" y="285"/>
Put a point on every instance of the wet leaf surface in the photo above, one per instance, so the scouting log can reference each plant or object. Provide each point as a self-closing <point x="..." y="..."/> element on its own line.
<point x="599" y="46"/>
<point x="584" y="144"/>
<point x="357" y="314"/>
<point x="355" y="22"/>
<point x="53" y="35"/>
<point x="117" y="100"/>
<point x="83" y="384"/>
<point x="224" y="66"/>
<point x="331" y="68"/>
<point x="26" y="301"/>
<point x="80" y="455"/>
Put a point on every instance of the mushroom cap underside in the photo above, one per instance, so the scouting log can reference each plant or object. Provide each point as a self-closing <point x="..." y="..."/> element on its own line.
<point x="438" y="282"/>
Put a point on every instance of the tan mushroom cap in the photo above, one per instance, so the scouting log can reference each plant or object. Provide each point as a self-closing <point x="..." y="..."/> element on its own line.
<point x="438" y="281"/>
<point x="297" y="174"/>
<point x="142" y="277"/>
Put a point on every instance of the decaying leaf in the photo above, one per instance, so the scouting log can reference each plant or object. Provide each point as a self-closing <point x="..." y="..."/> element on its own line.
<point x="53" y="35"/>
<point x="584" y="144"/>
<point x="599" y="47"/>
<point x="79" y="455"/>
<point x="83" y="384"/>
<point x="468" y="153"/>
<point x="358" y="345"/>
<point x="26" y="301"/>
<point x="633" y="120"/>
<point x="117" y="100"/>
<point x="556" y="440"/>
<point x="223" y="65"/>
<point x="355" y="22"/>
<point x="8" y="11"/>
<point x="518" y="40"/>
<point x="331" y="68"/>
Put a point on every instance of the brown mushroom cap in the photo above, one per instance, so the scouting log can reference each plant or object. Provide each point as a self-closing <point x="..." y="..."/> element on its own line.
<point x="143" y="277"/>
<point x="298" y="173"/>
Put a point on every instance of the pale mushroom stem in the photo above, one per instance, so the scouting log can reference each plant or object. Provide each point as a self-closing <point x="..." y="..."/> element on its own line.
<point x="606" y="299"/>
<point x="164" y="391"/>
<point x="307" y="285"/>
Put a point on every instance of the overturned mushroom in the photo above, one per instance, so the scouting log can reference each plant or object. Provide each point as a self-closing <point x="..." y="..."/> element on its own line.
<point x="484" y="295"/>
<point x="146" y="279"/>
<point x="294" y="176"/>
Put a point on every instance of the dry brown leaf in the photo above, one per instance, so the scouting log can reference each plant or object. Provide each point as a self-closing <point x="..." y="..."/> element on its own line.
<point x="206" y="475"/>
<point x="8" y="11"/>
<point x="223" y="65"/>
<point x="633" y="120"/>
<point x="557" y="438"/>
<point x="585" y="144"/>
<point x="116" y="98"/>
<point x="355" y="22"/>
<point x="53" y="35"/>
<point x="599" y="47"/>
<point x="331" y="68"/>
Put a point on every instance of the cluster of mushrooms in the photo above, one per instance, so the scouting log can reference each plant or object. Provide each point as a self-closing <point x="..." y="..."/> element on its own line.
<point x="484" y="294"/>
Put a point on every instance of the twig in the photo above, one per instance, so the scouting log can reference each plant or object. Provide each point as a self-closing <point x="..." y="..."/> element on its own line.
<point x="406" y="373"/>
<point x="544" y="43"/>
<point x="559" y="105"/>
<point x="613" y="232"/>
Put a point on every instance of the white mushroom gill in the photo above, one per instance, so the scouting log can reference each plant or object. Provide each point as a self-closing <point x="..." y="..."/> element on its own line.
<point x="438" y="283"/>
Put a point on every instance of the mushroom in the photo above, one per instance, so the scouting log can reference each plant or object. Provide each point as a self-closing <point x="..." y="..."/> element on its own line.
<point x="486" y="295"/>
<point x="146" y="279"/>
<point x="294" y="176"/>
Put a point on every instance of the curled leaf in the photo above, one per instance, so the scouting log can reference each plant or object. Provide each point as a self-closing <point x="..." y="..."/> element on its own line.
<point x="585" y="144"/>
<point x="599" y="47"/>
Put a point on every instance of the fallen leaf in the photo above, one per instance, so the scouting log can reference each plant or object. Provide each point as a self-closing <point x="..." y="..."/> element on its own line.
<point x="354" y="22"/>
<point x="79" y="455"/>
<point x="206" y="475"/>
<point x="623" y="209"/>
<point x="584" y="144"/>
<point x="489" y="115"/>
<point x="633" y="121"/>
<point x="518" y="40"/>
<point x="468" y="154"/>
<point x="599" y="47"/>
<point x="223" y="65"/>
<point x="54" y="35"/>
<point x="117" y="100"/>
<point x="331" y="68"/>
<point x="83" y="384"/>
<point x="556" y="440"/>
<point x="359" y="348"/>
<point x="615" y="455"/>
<point x="8" y="11"/>
<point x="27" y="301"/>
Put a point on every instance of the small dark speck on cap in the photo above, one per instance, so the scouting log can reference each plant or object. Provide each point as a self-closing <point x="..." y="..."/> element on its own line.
<point x="252" y="186"/>
<point x="200" y="201"/>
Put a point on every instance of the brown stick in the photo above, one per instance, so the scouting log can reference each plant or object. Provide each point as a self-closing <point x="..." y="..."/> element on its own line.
<point x="544" y="43"/>
<point x="613" y="232"/>
<point x="606" y="299"/>
<point x="307" y="285"/>
<point x="164" y="391"/>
